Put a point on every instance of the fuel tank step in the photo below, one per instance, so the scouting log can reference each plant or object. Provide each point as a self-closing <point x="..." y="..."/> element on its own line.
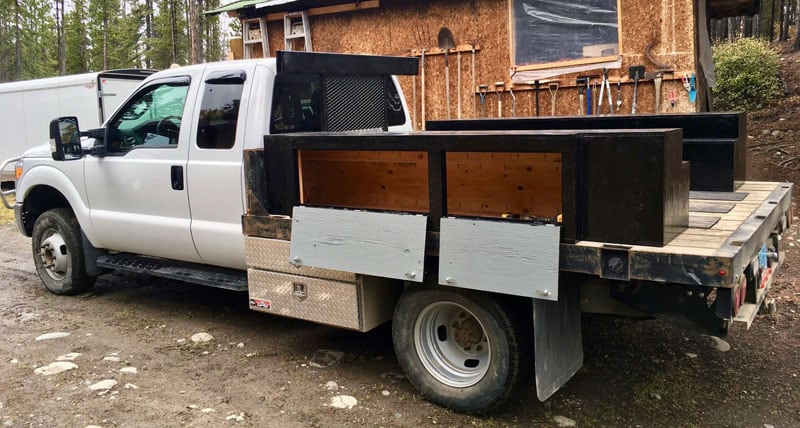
<point x="229" y="279"/>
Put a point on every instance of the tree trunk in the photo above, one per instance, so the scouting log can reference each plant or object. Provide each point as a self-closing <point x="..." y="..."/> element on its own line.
<point x="195" y="37"/>
<point x="785" y="22"/>
<point x="796" y="46"/>
<point x="173" y="32"/>
<point x="723" y="31"/>
<point x="748" y="26"/>
<point x="17" y="42"/>
<point x="766" y="19"/>
<point x="62" y="41"/>
<point x="781" y="15"/>
<point x="148" y="31"/>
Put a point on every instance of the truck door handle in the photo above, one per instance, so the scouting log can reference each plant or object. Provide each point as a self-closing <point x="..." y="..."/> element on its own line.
<point x="176" y="175"/>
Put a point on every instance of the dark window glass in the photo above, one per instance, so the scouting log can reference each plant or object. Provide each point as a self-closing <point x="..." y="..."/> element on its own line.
<point x="395" y="114"/>
<point x="219" y="113"/>
<point x="548" y="31"/>
<point x="296" y="104"/>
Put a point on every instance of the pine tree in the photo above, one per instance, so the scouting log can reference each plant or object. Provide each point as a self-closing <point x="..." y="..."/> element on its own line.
<point x="170" y="41"/>
<point x="38" y="46"/>
<point x="77" y="38"/>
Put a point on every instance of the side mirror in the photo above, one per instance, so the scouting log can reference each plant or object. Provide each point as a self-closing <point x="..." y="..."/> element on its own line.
<point x="65" y="139"/>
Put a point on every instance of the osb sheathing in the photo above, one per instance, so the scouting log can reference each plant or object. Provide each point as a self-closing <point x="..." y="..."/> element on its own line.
<point x="400" y="27"/>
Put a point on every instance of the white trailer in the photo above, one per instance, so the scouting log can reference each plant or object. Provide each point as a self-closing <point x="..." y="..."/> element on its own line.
<point x="26" y="107"/>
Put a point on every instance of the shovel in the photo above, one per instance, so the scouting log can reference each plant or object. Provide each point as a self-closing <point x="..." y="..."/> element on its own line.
<point x="446" y="42"/>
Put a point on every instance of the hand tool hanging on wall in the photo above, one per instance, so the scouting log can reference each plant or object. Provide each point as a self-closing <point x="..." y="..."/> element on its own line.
<point x="619" y="96"/>
<point x="635" y="72"/>
<point x="513" y="99"/>
<point x="422" y="88"/>
<point x="605" y="86"/>
<point x="474" y="98"/>
<point x="482" y="91"/>
<point x="535" y="85"/>
<point x="579" y="82"/>
<point x="692" y="89"/>
<point x="414" y="101"/>
<point x="498" y="89"/>
<point x="446" y="43"/>
<point x="458" y="86"/>
<point x="658" y="78"/>
<point x="553" y="88"/>
<point x="588" y="96"/>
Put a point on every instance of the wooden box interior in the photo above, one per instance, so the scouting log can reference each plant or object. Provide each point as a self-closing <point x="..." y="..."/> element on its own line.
<point x="525" y="185"/>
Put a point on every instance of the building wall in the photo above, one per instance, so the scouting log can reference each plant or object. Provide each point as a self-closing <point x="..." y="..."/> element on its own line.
<point x="406" y="27"/>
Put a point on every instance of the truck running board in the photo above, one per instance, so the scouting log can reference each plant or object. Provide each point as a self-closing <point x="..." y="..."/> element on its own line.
<point x="229" y="279"/>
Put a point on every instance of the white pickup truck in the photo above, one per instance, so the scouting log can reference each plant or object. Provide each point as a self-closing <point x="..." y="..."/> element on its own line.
<point x="481" y="246"/>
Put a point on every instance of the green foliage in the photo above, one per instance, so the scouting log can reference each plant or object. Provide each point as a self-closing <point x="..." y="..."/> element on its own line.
<point x="170" y="41"/>
<point x="77" y="38"/>
<point x="746" y="74"/>
<point x="102" y="34"/>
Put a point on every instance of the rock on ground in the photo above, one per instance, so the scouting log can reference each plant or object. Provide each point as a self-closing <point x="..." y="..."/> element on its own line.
<point x="201" y="337"/>
<point x="103" y="385"/>
<point x="564" y="421"/>
<point x="68" y="357"/>
<point x="54" y="335"/>
<point x="324" y="358"/>
<point x="719" y="344"/>
<point x="343" y="402"/>
<point x="57" y="367"/>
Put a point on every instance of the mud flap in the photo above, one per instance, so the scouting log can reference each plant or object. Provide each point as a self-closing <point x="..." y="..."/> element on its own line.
<point x="557" y="339"/>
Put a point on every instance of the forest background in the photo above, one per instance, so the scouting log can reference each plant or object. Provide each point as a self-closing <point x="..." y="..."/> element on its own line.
<point x="44" y="38"/>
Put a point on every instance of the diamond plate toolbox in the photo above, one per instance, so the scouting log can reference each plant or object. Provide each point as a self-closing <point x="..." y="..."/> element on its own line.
<point x="361" y="305"/>
<point x="273" y="255"/>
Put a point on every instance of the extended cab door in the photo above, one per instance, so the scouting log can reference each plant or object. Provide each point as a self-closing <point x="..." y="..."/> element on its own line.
<point x="137" y="192"/>
<point x="216" y="195"/>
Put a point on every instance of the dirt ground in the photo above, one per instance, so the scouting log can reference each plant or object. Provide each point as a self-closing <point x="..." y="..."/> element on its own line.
<point x="263" y="371"/>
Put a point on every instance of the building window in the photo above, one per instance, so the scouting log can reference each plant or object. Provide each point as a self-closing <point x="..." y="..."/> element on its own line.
<point x="548" y="32"/>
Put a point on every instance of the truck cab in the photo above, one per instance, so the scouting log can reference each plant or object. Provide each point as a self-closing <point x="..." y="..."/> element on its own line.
<point x="163" y="176"/>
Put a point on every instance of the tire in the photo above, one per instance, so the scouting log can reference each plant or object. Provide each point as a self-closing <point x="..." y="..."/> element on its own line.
<point x="462" y="350"/>
<point x="58" y="253"/>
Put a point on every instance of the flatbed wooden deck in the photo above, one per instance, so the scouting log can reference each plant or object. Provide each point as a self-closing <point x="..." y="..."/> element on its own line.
<point x="726" y="232"/>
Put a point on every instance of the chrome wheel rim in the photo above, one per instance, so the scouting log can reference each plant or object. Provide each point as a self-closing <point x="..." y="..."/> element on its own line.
<point x="452" y="344"/>
<point x="54" y="255"/>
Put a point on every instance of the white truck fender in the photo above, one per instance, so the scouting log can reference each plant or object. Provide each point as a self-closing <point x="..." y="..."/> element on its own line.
<point x="49" y="176"/>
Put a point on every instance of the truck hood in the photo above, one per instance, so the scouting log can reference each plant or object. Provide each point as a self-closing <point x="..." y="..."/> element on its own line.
<point x="40" y="151"/>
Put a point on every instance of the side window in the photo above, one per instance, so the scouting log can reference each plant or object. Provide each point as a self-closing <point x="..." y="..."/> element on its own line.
<point x="219" y="113"/>
<point x="296" y="104"/>
<point x="151" y="119"/>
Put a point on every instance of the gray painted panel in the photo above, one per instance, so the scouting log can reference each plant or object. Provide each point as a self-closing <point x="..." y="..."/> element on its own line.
<point x="370" y="243"/>
<point x="504" y="257"/>
<point x="558" y="346"/>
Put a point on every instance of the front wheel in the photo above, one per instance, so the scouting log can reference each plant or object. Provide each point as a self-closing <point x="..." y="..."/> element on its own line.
<point x="465" y="351"/>
<point x="58" y="253"/>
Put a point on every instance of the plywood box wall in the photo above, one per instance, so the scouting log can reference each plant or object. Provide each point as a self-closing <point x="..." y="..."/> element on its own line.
<point x="401" y="27"/>
<point x="522" y="185"/>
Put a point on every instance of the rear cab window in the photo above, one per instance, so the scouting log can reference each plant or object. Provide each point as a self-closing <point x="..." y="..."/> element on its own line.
<point x="299" y="103"/>
<point x="219" y="110"/>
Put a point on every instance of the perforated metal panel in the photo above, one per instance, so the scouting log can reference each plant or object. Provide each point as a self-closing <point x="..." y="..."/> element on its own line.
<point x="354" y="102"/>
